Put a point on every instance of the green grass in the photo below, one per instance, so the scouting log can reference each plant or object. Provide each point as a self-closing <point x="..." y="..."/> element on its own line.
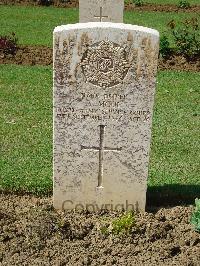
<point x="34" y="25"/>
<point x="26" y="129"/>
<point x="175" y="144"/>
<point x="158" y="20"/>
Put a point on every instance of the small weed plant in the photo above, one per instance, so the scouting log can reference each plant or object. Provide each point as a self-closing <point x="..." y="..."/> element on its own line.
<point x="195" y="219"/>
<point x="8" y="44"/>
<point x="184" y="4"/>
<point x="186" y="37"/>
<point x="121" y="225"/>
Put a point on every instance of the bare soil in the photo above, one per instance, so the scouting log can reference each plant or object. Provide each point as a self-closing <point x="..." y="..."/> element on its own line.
<point x="29" y="55"/>
<point x="163" y="8"/>
<point x="75" y="3"/>
<point x="33" y="233"/>
<point x="40" y="55"/>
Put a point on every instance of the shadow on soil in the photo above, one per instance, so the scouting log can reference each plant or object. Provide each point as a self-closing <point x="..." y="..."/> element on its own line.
<point x="165" y="196"/>
<point x="172" y="195"/>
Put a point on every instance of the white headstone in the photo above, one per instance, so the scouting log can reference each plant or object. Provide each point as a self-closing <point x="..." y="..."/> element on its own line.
<point x="101" y="11"/>
<point x="104" y="84"/>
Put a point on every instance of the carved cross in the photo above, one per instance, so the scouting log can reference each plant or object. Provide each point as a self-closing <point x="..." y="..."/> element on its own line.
<point x="101" y="149"/>
<point x="101" y="15"/>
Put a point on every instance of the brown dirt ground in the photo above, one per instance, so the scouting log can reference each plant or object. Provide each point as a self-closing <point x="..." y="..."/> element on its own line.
<point x="35" y="55"/>
<point x="163" y="8"/>
<point x="33" y="233"/>
<point x="74" y="3"/>
<point x="29" y="55"/>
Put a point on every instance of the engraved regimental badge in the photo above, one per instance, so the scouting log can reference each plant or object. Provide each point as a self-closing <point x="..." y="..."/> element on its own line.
<point x="105" y="64"/>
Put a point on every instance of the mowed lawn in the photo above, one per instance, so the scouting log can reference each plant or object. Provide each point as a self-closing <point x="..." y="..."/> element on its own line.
<point x="34" y="25"/>
<point x="26" y="129"/>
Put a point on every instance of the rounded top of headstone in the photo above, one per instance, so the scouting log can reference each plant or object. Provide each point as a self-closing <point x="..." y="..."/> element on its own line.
<point x="106" y="25"/>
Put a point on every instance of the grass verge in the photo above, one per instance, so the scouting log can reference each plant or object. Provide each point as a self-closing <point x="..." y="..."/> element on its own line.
<point x="175" y="156"/>
<point x="26" y="128"/>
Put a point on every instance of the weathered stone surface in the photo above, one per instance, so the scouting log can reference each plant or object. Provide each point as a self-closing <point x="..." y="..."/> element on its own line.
<point x="101" y="11"/>
<point x="104" y="84"/>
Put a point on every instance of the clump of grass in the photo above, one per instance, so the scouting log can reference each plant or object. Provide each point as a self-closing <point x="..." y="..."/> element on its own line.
<point x="195" y="219"/>
<point x="121" y="225"/>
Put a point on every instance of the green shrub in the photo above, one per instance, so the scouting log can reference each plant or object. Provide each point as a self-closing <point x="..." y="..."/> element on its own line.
<point x="65" y="1"/>
<point x="195" y="219"/>
<point x="8" y="44"/>
<point x="45" y="2"/>
<point x="138" y="2"/>
<point x="165" y="49"/>
<point x="183" y="4"/>
<point x="186" y="37"/>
